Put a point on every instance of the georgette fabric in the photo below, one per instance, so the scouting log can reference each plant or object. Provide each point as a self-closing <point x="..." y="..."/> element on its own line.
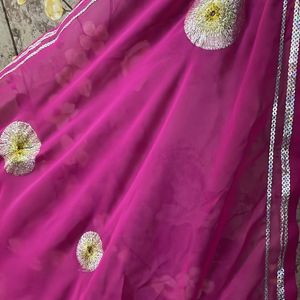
<point x="150" y="151"/>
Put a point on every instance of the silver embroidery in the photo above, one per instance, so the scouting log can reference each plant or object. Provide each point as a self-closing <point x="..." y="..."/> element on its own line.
<point x="271" y="150"/>
<point x="285" y="149"/>
<point x="89" y="251"/>
<point x="213" y="24"/>
<point x="19" y="146"/>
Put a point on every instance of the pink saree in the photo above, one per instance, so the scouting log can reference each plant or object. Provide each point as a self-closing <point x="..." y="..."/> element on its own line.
<point x="150" y="151"/>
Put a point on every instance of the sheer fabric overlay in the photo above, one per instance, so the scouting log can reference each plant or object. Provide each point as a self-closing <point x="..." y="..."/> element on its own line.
<point x="157" y="147"/>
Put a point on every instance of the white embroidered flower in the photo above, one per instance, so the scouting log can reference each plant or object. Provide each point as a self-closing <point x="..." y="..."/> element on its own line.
<point x="19" y="146"/>
<point x="213" y="24"/>
<point x="89" y="251"/>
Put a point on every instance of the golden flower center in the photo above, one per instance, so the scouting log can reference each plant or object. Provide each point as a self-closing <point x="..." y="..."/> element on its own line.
<point x="212" y="13"/>
<point x="90" y="251"/>
<point x="19" y="148"/>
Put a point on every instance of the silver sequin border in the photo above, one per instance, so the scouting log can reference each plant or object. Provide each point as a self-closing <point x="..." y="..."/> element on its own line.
<point x="285" y="148"/>
<point x="271" y="149"/>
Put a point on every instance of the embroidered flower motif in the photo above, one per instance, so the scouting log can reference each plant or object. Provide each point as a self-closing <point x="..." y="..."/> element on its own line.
<point x="19" y="146"/>
<point x="212" y="24"/>
<point x="89" y="251"/>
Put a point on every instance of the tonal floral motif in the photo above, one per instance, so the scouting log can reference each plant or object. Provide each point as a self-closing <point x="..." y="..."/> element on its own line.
<point x="76" y="60"/>
<point x="19" y="146"/>
<point x="93" y="37"/>
<point x="181" y="286"/>
<point x="89" y="251"/>
<point x="213" y="24"/>
<point x="133" y="55"/>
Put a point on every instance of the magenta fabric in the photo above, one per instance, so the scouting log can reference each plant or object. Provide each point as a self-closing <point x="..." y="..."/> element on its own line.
<point x="159" y="146"/>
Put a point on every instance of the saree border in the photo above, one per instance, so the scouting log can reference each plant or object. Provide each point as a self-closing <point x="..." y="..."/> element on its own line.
<point x="271" y="149"/>
<point x="285" y="148"/>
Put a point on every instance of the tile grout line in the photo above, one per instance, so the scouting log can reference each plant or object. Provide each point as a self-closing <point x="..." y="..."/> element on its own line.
<point x="69" y="6"/>
<point x="9" y="28"/>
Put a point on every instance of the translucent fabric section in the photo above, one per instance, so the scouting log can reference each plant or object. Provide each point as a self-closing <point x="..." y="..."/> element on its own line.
<point x="158" y="146"/>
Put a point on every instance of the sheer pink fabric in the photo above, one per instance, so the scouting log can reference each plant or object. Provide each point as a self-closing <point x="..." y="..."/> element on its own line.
<point x="159" y="146"/>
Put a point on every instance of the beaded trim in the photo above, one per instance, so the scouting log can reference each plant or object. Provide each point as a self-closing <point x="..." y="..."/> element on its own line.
<point x="59" y="31"/>
<point x="271" y="149"/>
<point x="285" y="148"/>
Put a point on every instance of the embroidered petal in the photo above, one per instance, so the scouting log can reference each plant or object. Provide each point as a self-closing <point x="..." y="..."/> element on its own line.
<point x="89" y="251"/>
<point x="19" y="146"/>
<point x="213" y="24"/>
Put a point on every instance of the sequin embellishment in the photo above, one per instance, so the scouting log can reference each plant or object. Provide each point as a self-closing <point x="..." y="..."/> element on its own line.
<point x="271" y="159"/>
<point x="19" y="146"/>
<point x="285" y="151"/>
<point x="89" y="251"/>
<point x="213" y="24"/>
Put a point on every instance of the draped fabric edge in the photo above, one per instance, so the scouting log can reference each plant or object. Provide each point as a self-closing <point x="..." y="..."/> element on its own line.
<point x="284" y="151"/>
<point x="55" y="34"/>
<point x="271" y="148"/>
<point x="285" y="148"/>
